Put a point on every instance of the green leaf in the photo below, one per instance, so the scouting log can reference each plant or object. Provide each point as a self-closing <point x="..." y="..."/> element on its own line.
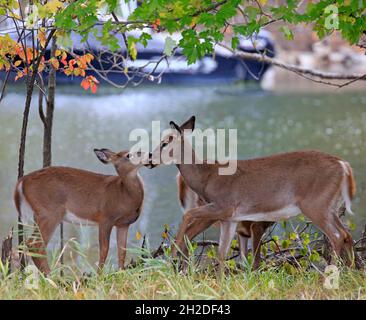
<point x="287" y="32"/>
<point x="252" y="12"/>
<point x="112" y="4"/>
<point x="351" y="224"/>
<point x="292" y="236"/>
<point x="64" y="40"/>
<point x="314" y="257"/>
<point x="169" y="46"/>
<point x="285" y="244"/>
<point x="144" y="38"/>
<point x="131" y="46"/>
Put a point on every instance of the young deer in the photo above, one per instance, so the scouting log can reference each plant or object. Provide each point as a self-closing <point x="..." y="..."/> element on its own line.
<point x="56" y="194"/>
<point x="271" y="188"/>
<point x="245" y="230"/>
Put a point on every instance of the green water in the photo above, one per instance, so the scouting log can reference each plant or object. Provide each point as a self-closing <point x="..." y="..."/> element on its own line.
<point x="266" y="122"/>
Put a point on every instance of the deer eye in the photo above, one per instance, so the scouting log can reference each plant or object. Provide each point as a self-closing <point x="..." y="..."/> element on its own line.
<point x="128" y="156"/>
<point x="164" y="144"/>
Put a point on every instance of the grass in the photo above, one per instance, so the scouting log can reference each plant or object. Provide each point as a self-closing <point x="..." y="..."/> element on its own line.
<point x="158" y="279"/>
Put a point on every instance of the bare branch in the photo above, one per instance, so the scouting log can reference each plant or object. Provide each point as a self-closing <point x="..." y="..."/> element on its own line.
<point x="293" y="68"/>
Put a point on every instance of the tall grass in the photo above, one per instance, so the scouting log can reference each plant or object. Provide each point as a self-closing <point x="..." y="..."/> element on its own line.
<point x="159" y="278"/>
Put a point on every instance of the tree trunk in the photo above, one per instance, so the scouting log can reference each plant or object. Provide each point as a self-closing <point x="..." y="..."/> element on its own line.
<point x="48" y="125"/>
<point x="30" y="81"/>
<point x="23" y="137"/>
<point x="47" y="133"/>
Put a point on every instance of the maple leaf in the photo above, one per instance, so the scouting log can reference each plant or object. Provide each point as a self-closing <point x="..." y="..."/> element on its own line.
<point x="85" y="84"/>
<point x="94" y="79"/>
<point x="55" y="63"/>
<point x="77" y="72"/>
<point x="53" y="6"/>
<point x="93" y="87"/>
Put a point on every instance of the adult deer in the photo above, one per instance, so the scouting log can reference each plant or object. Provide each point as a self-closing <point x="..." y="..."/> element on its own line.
<point x="56" y="194"/>
<point x="271" y="188"/>
<point x="245" y="230"/>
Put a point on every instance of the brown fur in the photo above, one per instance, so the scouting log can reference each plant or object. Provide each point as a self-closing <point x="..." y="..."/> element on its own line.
<point x="108" y="201"/>
<point x="351" y="182"/>
<point x="245" y="229"/>
<point x="309" y="180"/>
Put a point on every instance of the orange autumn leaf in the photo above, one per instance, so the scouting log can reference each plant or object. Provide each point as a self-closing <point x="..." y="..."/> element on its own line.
<point x="42" y="37"/>
<point x="138" y="235"/>
<point x="19" y="75"/>
<point x="89" y="57"/>
<point x="67" y="72"/>
<point x="63" y="58"/>
<point x="93" y="87"/>
<point x="77" y="72"/>
<point x="18" y="50"/>
<point x="90" y="82"/>
<point x="94" y="79"/>
<point x="85" y="84"/>
<point x="156" y="24"/>
<point x="41" y="67"/>
<point x="55" y="63"/>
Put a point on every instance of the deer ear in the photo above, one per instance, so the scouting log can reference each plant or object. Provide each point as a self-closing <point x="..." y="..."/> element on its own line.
<point x="189" y="124"/>
<point x="174" y="126"/>
<point x="104" y="155"/>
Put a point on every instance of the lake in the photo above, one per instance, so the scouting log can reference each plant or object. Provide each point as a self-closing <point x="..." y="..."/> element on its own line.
<point x="267" y="123"/>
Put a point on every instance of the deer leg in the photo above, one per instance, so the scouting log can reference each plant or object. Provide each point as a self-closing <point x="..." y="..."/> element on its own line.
<point x="347" y="248"/>
<point x="194" y="229"/>
<point x="227" y="233"/>
<point x="208" y="212"/>
<point x="331" y="226"/>
<point x="257" y="231"/>
<point x="122" y="233"/>
<point x="38" y="242"/>
<point x="104" y="237"/>
<point x="243" y="244"/>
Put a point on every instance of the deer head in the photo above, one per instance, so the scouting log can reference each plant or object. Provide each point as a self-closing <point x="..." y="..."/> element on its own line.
<point x="171" y="147"/>
<point x="122" y="161"/>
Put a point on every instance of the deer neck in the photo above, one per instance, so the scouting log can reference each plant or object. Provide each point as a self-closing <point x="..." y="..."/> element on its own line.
<point x="195" y="173"/>
<point x="131" y="182"/>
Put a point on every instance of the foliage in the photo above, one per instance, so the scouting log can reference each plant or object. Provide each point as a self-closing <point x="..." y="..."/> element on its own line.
<point x="201" y="25"/>
<point x="13" y="56"/>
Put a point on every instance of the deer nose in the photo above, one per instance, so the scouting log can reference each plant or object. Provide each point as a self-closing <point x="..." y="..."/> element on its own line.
<point x="150" y="155"/>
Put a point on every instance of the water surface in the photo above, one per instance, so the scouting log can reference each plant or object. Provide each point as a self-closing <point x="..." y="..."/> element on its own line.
<point x="266" y="122"/>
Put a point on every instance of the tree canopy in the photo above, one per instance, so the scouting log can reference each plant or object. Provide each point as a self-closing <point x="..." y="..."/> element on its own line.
<point x="201" y="25"/>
